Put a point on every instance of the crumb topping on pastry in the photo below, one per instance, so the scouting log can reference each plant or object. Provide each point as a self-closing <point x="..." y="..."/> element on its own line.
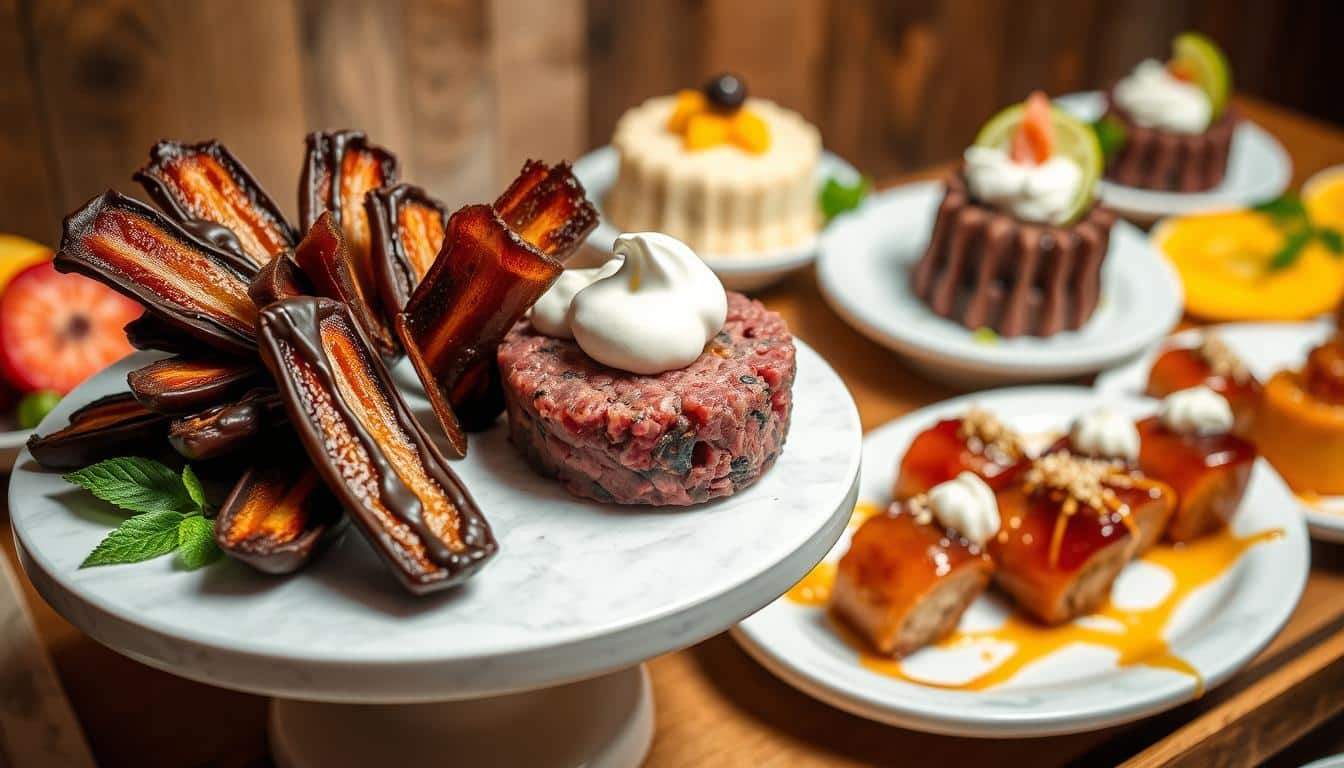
<point x="1081" y="481"/>
<point x="1222" y="360"/>
<point x="985" y="434"/>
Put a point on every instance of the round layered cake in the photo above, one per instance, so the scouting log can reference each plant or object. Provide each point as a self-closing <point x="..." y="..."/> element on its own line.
<point x="719" y="193"/>
<point x="680" y="437"/>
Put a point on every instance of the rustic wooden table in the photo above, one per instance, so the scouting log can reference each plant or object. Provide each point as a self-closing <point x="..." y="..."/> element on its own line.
<point x="718" y="707"/>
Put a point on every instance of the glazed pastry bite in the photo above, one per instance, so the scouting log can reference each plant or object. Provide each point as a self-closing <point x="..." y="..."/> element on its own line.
<point x="1069" y="528"/>
<point x="1299" y="427"/>
<point x="1190" y="446"/>
<point x="1212" y="364"/>
<point x="911" y="573"/>
<point x="977" y="443"/>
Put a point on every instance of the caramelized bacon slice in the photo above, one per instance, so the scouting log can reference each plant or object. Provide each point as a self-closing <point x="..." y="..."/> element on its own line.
<point x="484" y="281"/>
<point x="115" y="425"/>
<point x="366" y="445"/>
<point x="281" y="278"/>
<point x="339" y="169"/>
<point x="149" y="333"/>
<point x="548" y="208"/>
<point x="279" y="515"/>
<point x="205" y="182"/>
<point x="406" y="227"/>
<point x="184" y="384"/>
<point x="324" y="257"/>
<point x="181" y="280"/>
<point x="227" y="429"/>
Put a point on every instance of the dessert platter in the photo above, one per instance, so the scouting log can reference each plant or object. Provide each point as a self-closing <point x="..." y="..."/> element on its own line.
<point x="1174" y="143"/>
<point x="1007" y="271"/>
<point x="1054" y="560"/>
<point x="1281" y="379"/>
<point x="743" y="181"/>
<point x="409" y="575"/>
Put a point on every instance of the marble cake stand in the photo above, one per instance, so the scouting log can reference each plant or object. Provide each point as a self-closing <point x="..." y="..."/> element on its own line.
<point x="535" y="661"/>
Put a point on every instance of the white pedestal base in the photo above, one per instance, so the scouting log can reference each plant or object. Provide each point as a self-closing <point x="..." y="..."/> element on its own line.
<point x="606" y="722"/>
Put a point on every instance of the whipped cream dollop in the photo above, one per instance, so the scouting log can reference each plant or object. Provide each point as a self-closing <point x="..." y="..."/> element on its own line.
<point x="1196" y="411"/>
<point x="1105" y="434"/>
<point x="653" y="313"/>
<point x="966" y="505"/>
<point x="1041" y="193"/>
<point x="550" y="315"/>
<point x="1154" y="98"/>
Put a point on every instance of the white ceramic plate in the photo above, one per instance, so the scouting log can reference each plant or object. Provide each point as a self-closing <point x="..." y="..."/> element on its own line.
<point x="1218" y="628"/>
<point x="864" y="271"/>
<point x="597" y="171"/>
<point x="577" y="589"/>
<point x="1266" y="348"/>
<point x="1258" y="169"/>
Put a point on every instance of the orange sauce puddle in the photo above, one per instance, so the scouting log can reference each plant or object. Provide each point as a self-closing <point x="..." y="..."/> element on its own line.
<point x="1140" y="640"/>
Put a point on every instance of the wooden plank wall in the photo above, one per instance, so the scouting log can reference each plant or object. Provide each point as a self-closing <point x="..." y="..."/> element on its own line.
<point x="464" y="90"/>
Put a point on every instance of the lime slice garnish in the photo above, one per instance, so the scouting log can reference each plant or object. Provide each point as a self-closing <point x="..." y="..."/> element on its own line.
<point x="1199" y="56"/>
<point x="1074" y="139"/>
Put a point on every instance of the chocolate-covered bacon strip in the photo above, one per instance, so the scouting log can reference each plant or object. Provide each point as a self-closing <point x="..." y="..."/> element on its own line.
<point x="483" y="282"/>
<point x="324" y="257"/>
<point x="227" y="429"/>
<point x="115" y="425"/>
<point x="340" y="167"/>
<point x="183" y="384"/>
<point x="548" y="208"/>
<point x="180" y="279"/>
<point x="279" y="515"/>
<point x="147" y="332"/>
<point x="406" y="228"/>
<point x="364" y="442"/>
<point x="205" y="182"/>
<point x="281" y="278"/>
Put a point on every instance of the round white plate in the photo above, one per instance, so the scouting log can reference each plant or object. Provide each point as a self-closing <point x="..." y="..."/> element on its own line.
<point x="1218" y="628"/>
<point x="577" y="589"/>
<point x="1258" y="169"/>
<point x="864" y="273"/>
<point x="1265" y="348"/>
<point x="597" y="171"/>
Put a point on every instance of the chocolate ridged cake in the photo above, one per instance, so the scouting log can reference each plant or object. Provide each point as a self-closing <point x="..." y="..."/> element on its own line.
<point x="984" y="268"/>
<point x="1151" y="158"/>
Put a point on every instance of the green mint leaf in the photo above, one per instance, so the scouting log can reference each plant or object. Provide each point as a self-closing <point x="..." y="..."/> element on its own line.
<point x="1286" y="207"/>
<point x="1111" y="135"/>
<point x="838" y="197"/>
<point x="196" y="542"/>
<point x="1331" y="239"/>
<point x="135" y="484"/>
<point x="194" y="489"/>
<point x="137" y="538"/>
<point x="1291" y="250"/>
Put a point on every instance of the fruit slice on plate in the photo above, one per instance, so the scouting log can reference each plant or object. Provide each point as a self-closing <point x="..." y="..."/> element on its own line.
<point x="1037" y="129"/>
<point x="185" y="384"/>
<point x="406" y="226"/>
<point x="17" y="254"/>
<point x="547" y="207"/>
<point x="1323" y="195"/>
<point x="368" y="448"/>
<point x="57" y="330"/>
<point x="182" y="280"/>
<point x="1199" y="60"/>
<point x="279" y="516"/>
<point x="484" y="281"/>
<point x="115" y="425"/>
<point x="206" y="182"/>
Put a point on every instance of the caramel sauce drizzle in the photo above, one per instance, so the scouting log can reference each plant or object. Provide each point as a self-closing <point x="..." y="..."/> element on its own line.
<point x="1137" y="638"/>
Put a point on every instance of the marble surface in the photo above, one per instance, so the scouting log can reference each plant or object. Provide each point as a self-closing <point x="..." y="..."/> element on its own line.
<point x="864" y="274"/>
<point x="1218" y="628"/>
<point x="1266" y="349"/>
<point x="577" y="589"/>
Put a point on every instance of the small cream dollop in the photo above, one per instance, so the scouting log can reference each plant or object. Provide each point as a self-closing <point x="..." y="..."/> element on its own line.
<point x="1196" y="411"/>
<point x="966" y="505"/>
<point x="1040" y="193"/>
<point x="655" y="312"/>
<point x="1154" y="98"/>
<point x="550" y="315"/>
<point x="1105" y="434"/>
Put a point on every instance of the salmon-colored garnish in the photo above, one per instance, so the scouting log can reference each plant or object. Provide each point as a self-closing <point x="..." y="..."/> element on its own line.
<point x="1035" y="138"/>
